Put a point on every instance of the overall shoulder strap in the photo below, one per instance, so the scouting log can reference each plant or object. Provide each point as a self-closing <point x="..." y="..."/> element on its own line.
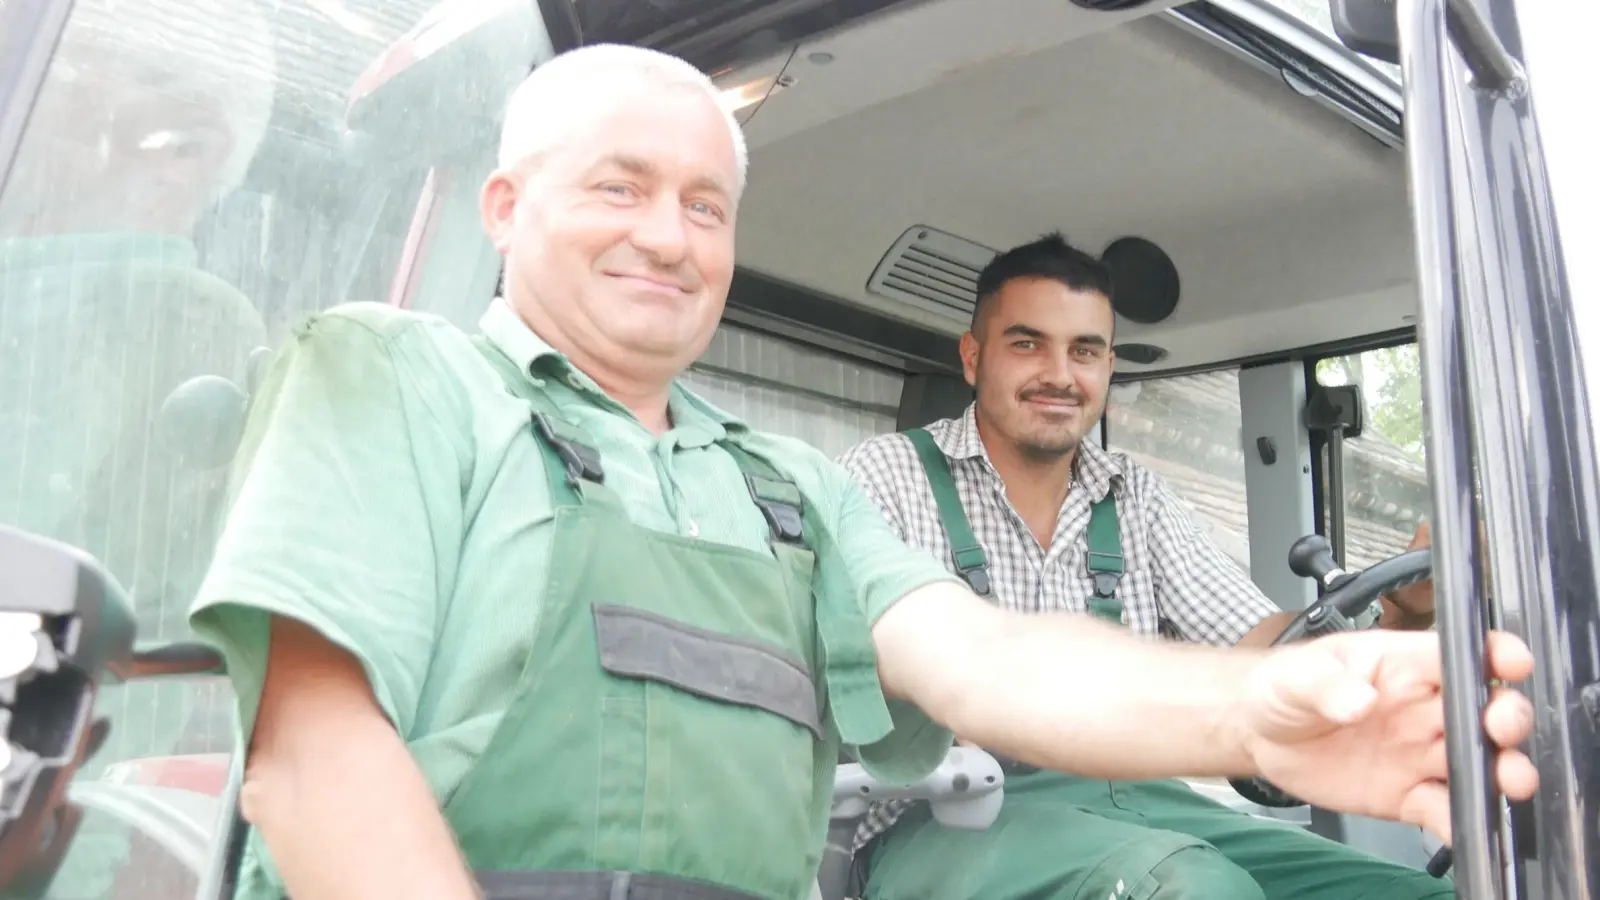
<point x="777" y="496"/>
<point x="971" y="562"/>
<point x="567" y="445"/>
<point x="853" y="695"/>
<point x="1105" y="547"/>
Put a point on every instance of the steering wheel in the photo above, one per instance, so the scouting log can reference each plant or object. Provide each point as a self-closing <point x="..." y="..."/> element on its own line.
<point x="1346" y="604"/>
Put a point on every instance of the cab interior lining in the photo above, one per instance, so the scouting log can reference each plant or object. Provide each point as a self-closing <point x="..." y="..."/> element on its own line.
<point x="1288" y="223"/>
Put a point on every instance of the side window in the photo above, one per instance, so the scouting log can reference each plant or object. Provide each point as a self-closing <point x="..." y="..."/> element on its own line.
<point x="779" y="386"/>
<point x="192" y="179"/>
<point x="1385" y="477"/>
<point x="1187" y="430"/>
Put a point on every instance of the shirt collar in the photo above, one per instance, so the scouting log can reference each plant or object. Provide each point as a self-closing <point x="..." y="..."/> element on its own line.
<point x="699" y="421"/>
<point x="1098" y="471"/>
<point x="958" y="438"/>
<point x="506" y="330"/>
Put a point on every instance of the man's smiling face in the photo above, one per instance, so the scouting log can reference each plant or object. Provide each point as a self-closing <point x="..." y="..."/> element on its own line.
<point x="1040" y="359"/>
<point x="621" y="239"/>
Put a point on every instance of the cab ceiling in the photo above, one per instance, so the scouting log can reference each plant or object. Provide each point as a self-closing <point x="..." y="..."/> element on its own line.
<point x="998" y="122"/>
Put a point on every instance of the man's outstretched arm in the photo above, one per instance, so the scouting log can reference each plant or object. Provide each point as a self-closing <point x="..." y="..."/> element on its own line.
<point x="333" y="788"/>
<point x="1352" y="722"/>
<point x="1065" y="691"/>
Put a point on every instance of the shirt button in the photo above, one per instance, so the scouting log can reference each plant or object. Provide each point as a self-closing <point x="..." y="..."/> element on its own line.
<point x="694" y="529"/>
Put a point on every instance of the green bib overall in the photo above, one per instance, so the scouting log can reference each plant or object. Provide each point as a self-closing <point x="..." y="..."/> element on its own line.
<point x="1063" y="837"/>
<point x="679" y="719"/>
<point x="1105" y="534"/>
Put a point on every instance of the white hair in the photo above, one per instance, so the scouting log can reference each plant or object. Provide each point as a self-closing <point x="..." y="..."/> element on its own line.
<point x="554" y="98"/>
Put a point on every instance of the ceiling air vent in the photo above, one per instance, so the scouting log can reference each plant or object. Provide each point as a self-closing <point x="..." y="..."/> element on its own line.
<point x="933" y="271"/>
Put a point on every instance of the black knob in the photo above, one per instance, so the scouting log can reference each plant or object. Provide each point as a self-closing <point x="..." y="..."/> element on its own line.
<point x="1311" y="557"/>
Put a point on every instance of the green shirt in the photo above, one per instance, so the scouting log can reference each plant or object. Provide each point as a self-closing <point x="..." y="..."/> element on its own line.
<point x="390" y="494"/>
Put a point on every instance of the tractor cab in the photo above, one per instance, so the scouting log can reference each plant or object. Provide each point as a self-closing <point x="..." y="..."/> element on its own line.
<point x="1337" y="231"/>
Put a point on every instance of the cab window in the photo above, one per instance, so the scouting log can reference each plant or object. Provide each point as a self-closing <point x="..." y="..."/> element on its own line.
<point x="830" y="401"/>
<point x="1385" y="490"/>
<point x="195" y="178"/>
<point x="1186" y="428"/>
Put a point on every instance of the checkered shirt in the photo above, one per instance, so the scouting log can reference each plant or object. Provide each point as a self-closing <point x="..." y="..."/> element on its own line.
<point x="1178" y="584"/>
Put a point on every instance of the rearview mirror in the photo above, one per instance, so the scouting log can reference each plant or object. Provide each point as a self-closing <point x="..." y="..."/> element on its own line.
<point x="63" y="623"/>
<point x="1369" y="27"/>
<point x="66" y="628"/>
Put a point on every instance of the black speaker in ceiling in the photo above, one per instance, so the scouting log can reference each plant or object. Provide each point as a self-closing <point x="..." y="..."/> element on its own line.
<point x="1140" y="354"/>
<point x="1144" y="280"/>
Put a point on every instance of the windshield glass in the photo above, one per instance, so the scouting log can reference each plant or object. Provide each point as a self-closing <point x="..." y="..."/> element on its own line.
<point x="195" y="177"/>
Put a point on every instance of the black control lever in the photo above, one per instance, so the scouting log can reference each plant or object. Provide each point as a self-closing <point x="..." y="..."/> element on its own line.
<point x="1311" y="557"/>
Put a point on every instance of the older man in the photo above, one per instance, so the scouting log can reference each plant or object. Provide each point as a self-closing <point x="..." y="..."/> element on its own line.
<point x="518" y="608"/>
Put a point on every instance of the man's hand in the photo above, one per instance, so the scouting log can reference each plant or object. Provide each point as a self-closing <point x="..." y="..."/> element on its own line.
<point x="1411" y="607"/>
<point x="1355" y="722"/>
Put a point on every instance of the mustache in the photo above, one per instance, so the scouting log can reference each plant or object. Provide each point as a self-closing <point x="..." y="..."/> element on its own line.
<point x="683" y="275"/>
<point x="1069" y="394"/>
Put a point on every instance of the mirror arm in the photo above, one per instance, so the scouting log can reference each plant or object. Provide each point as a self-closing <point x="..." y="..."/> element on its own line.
<point x="1493" y="67"/>
<point x="182" y="659"/>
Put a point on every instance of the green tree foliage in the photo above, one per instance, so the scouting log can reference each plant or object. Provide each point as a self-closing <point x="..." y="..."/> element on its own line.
<point x="1391" y="382"/>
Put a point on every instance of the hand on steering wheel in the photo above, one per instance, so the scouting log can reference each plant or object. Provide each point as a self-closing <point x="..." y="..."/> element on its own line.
<point x="1348" y="598"/>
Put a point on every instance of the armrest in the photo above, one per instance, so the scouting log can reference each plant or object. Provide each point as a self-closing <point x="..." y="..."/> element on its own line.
<point x="966" y="791"/>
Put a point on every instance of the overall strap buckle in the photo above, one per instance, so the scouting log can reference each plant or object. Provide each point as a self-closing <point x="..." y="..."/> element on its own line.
<point x="781" y="505"/>
<point x="581" y="460"/>
<point x="1105" y="546"/>
<point x="973" y="567"/>
<point x="977" y="579"/>
<point x="1105" y="583"/>
<point x="778" y="498"/>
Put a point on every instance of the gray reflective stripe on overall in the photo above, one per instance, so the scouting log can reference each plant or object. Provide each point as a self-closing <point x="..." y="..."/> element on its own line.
<point x="638" y="644"/>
